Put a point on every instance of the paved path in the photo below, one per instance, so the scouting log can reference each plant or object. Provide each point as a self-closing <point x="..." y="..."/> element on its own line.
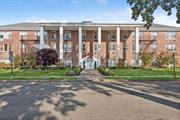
<point x="80" y="100"/>
<point x="90" y="75"/>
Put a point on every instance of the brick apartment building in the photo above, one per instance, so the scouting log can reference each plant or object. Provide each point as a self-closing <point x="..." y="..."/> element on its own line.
<point x="90" y="44"/>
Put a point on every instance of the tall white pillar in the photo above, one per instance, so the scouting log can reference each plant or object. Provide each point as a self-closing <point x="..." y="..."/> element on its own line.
<point x="80" y="45"/>
<point x="137" y="46"/>
<point x="99" y="46"/>
<point x="41" y="38"/>
<point x="61" y="49"/>
<point x="117" y="44"/>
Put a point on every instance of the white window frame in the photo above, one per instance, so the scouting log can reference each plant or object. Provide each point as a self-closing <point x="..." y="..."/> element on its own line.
<point x="154" y="35"/>
<point x="67" y="47"/>
<point x="111" y="35"/>
<point x="67" y="35"/>
<point x="37" y="35"/>
<point x="23" y="35"/>
<point x="95" y="35"/>
<point x="84" y="35"/>
<point x="170" y="47"/>
<point x="112" y="47"/>
<point x="170" y="35"/>
<point x="84" y="47"/>
<point x="3" y="47"/>
<point x="95" y="47"/>
<point x="53" y="35"/>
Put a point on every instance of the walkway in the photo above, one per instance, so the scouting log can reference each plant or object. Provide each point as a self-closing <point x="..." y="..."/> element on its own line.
<point x="90" y="75"/>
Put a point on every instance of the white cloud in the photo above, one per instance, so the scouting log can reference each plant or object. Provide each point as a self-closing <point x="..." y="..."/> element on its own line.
<point x="102" y="1"/>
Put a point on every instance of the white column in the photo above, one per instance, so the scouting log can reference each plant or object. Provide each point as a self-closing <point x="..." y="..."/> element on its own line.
<point x="137" y="46"/>
<point x="41" y="38"/>
<point x="80" y="45"/>
<point x="117" y="44"/>
<point x="61" y="49"/>
<point x="99" y="46"/>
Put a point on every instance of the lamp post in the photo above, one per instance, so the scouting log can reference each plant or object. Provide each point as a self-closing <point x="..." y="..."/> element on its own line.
<point x="11" y="60"/>
<point x="174" y="65"/>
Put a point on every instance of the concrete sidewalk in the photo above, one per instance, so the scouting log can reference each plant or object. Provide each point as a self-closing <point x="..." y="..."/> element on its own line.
<point x="93" y="75"/>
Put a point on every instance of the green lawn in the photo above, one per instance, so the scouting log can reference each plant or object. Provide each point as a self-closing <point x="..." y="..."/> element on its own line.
<point x="35" y="75"/>
<point x="141" y="74"/>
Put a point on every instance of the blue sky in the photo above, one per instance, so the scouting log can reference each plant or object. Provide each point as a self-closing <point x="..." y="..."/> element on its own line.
<point x="14" y="11"/>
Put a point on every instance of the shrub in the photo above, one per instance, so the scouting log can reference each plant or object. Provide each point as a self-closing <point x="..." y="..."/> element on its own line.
<point x="46" y="57"/>
<point x="74" y="71"/>
<point x="146" y="59"/>
<point x="4" y="65"/>
<point x="105" y="71"/>
<point x="71" y="73"/>
<point x="77" y="70"/>
<point x="121" y="63"/>
<point x="59" y="63"/>
<point x="29" y="59"/>
<point x="164" y="59"/>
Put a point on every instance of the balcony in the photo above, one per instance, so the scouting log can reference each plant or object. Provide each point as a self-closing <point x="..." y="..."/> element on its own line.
<point x="24" y="38"/>
<point x="148" y="38"/>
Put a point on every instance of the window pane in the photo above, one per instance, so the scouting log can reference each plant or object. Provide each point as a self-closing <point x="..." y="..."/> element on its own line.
<point x="5" y="47"/>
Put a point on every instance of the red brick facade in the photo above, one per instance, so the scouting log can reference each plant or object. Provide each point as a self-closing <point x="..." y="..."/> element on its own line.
<point x="126" y="46"/>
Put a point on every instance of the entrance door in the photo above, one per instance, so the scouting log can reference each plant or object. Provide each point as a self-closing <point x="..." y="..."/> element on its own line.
<point x="89" y="64"/>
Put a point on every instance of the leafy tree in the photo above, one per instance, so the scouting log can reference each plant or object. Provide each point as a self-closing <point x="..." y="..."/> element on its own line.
<point x="164" y="59"/>
<point x="17" y="60"/>
<point x="28" y="58"/>
<point x="146" y="59"/>
<point x="46" y="57"/>
<point x="146" y="8"/>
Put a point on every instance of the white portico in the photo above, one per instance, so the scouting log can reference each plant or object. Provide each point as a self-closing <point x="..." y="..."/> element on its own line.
<point x="77" y="41"/>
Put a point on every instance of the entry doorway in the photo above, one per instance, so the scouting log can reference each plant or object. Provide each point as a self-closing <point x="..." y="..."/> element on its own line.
<point x="89" y="64"/>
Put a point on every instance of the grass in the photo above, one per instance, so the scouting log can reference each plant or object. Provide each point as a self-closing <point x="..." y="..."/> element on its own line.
<point x="35" y="75"/>
<point x="142" y="74"/>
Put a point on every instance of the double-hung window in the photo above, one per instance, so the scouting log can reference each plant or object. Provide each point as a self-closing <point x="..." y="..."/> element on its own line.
<point x="154" y="35"/>
<point x="84" y="47"/>
<point x="111" y="36"/>
<point x="170" y="47"/>
<point x="37" y="35"/>
<point x="84" y="35"/>
<point x="95" y="47"/>
<point x="67" y="47"/>
<point x="170" y="35"/>
<point x="95" y="36"/>
<point x="67" y="35"/>
<point x="112" y="47"/>
<point x="4" y="47"/>
<point x="53" y="36"/>
<point x="23" y="35"/>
